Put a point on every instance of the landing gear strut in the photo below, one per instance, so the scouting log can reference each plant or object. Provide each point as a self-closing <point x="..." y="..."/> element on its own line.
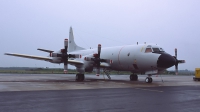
<point x="149" y="79"/>
<point x="80" y="77"/>
<point x="133" y="77"/>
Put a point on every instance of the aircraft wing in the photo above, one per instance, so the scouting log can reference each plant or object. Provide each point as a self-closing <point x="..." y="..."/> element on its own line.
<point x="72" y="62"/>
<point x="75" y="62"/>
<point x="29" y="56"/>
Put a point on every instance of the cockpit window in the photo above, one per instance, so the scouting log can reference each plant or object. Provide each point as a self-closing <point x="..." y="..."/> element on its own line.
<point x="148" y="50"/>
<point x="156" y="49"/>
<point x="161" y="49"/>
<point x="153" y="49"/>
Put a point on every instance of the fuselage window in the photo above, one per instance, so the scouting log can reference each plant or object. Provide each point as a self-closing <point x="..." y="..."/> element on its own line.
<point x="148" y="50"/>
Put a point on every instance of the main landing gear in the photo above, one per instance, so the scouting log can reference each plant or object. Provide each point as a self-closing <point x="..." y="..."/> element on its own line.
<point x="149" y="79"/>
<point x="133" y="77"/>
<point x="80" y="77"/>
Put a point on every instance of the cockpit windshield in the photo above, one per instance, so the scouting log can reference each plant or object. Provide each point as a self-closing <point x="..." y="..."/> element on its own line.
<point x="158" y="49"/>
<point x="153" y="49"/>
<point x="148" y="49"/>
<point x="161" y="49"/>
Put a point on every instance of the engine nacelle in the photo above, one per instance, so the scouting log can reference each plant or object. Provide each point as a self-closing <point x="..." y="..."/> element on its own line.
<point x="89" y="69"/>
<point x="56" y="60"/>
<point x="55" y="55"/>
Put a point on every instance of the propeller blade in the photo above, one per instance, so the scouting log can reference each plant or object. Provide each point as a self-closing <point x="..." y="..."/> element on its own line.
<point x="66" y="45"/>
<point x="181" y="61"/>
<point x="65" y="66"/>
<point x="98" y="71"/>
<point x="65" y="58"/>
<point x="176" y="64"/>
<point x="176" y="69"/>
<point x="177" y="61"/>
<point x="99" y="50"/>
<point x="176" y="52"/>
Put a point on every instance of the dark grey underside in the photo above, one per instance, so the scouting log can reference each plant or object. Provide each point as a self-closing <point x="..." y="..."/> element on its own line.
<point x="172" y="99"/>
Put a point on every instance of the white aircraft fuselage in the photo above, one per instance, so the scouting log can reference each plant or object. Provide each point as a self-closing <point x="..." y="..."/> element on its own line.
<point x="131" y="58"/>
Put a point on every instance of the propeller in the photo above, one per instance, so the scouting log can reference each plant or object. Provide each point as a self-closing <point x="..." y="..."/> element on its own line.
<point x="177" y="62"/>
<point x="97" y="60"/>
<point x="64" y="55"/>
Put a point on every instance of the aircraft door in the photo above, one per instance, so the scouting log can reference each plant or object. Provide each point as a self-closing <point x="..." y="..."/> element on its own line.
<point x="126" y="58"/>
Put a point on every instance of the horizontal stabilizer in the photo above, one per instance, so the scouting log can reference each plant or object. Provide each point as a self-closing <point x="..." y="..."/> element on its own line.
<point x="49" y="51"/>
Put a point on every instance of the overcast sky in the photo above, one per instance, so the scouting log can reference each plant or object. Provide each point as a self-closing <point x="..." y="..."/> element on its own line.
<point x="26" y="25"/>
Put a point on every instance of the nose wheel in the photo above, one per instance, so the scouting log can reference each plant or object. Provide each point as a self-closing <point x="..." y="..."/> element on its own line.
<point x="148" y="80"/>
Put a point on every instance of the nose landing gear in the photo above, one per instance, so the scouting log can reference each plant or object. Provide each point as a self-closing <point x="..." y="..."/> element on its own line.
<point x="149" y="79"/>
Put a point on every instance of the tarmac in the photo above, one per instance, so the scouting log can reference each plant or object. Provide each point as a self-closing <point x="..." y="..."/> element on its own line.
<point x="33" y="82"/>
<point x="61" y="93"/>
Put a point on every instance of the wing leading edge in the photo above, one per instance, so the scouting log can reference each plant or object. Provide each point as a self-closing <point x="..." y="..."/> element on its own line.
<point x="73" y="62"/>
<point x="29" y="56"/>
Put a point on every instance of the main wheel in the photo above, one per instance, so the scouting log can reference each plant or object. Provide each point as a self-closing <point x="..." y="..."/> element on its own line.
<point x="150" y="80"/>
<point x="80" y="77"/>
<point x="133" y="77"/>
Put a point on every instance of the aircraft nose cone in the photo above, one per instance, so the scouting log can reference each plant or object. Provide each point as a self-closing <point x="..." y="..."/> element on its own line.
<point x="165" y="61"/>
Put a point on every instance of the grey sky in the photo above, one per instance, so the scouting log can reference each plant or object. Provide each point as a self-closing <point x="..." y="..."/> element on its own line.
<point x="26" y="25"/>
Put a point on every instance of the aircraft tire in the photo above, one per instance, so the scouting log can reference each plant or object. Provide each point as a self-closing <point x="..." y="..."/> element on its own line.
<point x="83" y="77"/>
<point x="151" y="80"/>
<point x="148" y="80"/>
<point x="133" y="77"/>
<point x="80" y="77"/>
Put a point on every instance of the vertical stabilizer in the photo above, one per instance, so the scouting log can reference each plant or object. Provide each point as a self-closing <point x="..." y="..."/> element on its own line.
<point x="72" y="45"/>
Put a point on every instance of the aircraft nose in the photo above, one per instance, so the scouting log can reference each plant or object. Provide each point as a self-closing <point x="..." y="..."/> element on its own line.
<point x="165" y="61"/>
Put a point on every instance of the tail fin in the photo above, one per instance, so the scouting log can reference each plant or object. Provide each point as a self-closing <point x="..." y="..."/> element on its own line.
<point x="72" y="44"/>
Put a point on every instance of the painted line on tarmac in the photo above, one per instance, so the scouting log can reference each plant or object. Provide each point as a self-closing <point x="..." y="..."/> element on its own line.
<point x="149" y="90"/>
